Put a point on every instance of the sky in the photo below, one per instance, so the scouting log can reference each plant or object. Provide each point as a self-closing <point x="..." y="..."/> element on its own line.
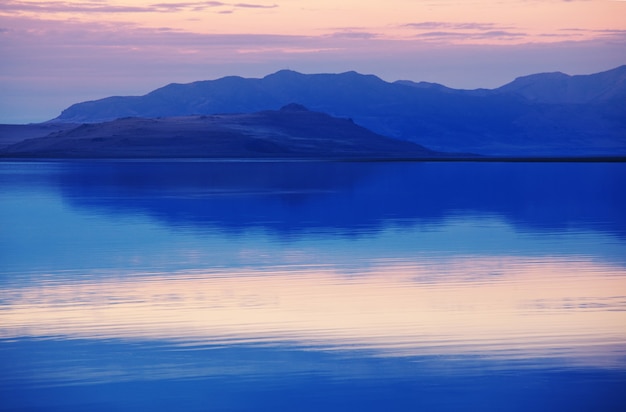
<point x="58" y="52"/>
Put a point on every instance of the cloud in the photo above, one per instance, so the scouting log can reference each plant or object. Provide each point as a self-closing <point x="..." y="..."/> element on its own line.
<point x="19" y="6"/>
<point x="46" y="37"/>
<point x="353" y="34"/>
<point x="176" y="7"/>
<point x="602" y="34"/>
<point x="427" y="25"/>
<point x="499" y="34"/>
<point x="606" y="34"/>
<point x="433" y="25"/>
<point x="611" y="32"/>
<point x="441" y="34"/>
<point x="255" y="6"/>
<point x="202" y="5"/>
<point x="437" y="30"/>
<point x="65" y="7"/>
<point x="491" y="34"/>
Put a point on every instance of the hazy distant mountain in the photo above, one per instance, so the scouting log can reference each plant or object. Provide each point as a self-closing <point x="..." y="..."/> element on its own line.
<point x="292" y="132"/>
<point x="543" y="114"/>
<point x="561" y="88"/>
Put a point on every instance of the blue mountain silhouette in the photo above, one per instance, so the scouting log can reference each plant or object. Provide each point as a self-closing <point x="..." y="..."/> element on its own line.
<point x="541" y="114"/>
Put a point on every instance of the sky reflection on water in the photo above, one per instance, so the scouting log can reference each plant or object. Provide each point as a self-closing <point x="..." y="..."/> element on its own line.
<point x="384" y="285"/>
<point x="493" y="307"/>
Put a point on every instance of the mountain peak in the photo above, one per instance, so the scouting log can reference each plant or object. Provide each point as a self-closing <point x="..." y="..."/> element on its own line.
<point x="542" y="76"/>
<point x="557" y="87"/>
<point x="293" y="107"/>
<point x="422" y="85"/>
<point x="284" y="73"/>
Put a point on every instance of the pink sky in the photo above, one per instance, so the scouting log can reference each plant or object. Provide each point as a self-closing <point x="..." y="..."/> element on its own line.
<point x="55" y="53"/>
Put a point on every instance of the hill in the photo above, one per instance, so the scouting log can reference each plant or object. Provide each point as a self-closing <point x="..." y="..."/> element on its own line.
<point x="292" y="132"/>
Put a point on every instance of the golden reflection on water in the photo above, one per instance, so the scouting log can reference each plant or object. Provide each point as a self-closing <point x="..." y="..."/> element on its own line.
<point x="496" y="307"/>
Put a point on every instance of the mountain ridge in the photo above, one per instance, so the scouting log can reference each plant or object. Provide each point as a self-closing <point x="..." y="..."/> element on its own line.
<point x="575" y="89"/>
<point x="542" y="114"/>
<point x="517" y="86"/>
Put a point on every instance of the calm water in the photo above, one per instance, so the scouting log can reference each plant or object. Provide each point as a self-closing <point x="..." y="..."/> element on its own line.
<point x="230" y="286"/>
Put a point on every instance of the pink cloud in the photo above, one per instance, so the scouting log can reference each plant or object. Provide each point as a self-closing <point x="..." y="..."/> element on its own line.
<point x="17" y="6"/>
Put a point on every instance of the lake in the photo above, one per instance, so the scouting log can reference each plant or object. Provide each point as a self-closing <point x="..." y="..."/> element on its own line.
<point x="237" y="286"/>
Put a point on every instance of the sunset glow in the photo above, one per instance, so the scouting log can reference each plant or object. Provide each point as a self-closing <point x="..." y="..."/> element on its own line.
<point x="56" y="53"/>
<point x="446" y="21"/>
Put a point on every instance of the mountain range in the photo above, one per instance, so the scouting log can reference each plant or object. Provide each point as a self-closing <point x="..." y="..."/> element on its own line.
<point x="547" y="114"/>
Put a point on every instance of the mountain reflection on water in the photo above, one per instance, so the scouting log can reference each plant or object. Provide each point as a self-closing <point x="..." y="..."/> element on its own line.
<point x="312" y="285"/>
<point x="296" y="196"/>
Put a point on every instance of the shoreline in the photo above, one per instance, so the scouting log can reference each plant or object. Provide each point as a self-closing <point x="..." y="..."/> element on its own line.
<point x="476" y="159"/>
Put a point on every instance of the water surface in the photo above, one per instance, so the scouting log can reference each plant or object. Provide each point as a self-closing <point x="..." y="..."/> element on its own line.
<point x="312" y="285"/>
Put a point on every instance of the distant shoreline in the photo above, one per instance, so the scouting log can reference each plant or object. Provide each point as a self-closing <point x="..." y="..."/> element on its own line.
<point x="474" y="159"/>
<point x="509" y="159"/>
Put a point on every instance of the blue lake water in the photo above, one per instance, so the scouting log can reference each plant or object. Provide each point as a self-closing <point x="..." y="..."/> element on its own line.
<point x="237" y="286"/>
